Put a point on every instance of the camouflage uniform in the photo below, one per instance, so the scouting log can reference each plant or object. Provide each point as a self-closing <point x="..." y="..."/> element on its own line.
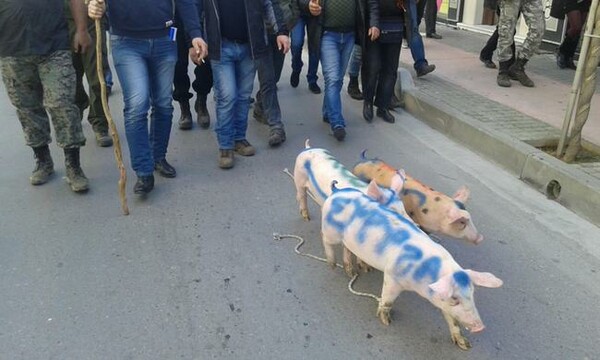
<point x="40" y="83"/>
<point x="86" y="63"/>
<point x="533" y="13"/>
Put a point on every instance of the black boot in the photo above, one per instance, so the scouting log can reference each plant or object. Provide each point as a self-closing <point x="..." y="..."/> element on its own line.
<point x="75" y="176"/>
<point x="386" y="115"/>
<point x="368" y="111"/>
<point x="185" y="121"/>
<point x="202" y="112"/>
<point x="517" y="71"/>
<point x="144" y="185"/>
<point x="565" y="53"/>
<point x="503" y="78"/>
<point x="44" y="167"/>
<point x="353" y="89"/>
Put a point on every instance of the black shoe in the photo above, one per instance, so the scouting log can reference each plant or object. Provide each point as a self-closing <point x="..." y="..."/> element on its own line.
<point x="353" y="89"/>
<point x="325" y="119"/>
<point x="143" y="185"/>
<point x="202" y="114"/>
<point x="396" y="102"/>
<point x="570" y="64"/>
<point x="434" y="36"/>
<point x="165" y="169"/>
<point x="488" y="63"/>
<point x="368" y="111"/>
<point x="561" y="60"/>
<point x="425" y="69"/>
<point x="314" y="88"/>
<point x="295" y="79"/>
<point x="276" y="137"/>
<point x="386" y="115"/>
<point x="185" y="121"/>
<point x="339" y="133"/>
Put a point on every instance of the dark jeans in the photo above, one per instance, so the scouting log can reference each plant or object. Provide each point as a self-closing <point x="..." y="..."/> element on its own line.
<point x="416" y="41"/>
<point x="269" y="69"/>
<point x="430" y="14"/>
<point x="488" y="50"/>
<point x="297" y="35"/>
<point x="203" y="81"/>
<point x="379" y="72"/>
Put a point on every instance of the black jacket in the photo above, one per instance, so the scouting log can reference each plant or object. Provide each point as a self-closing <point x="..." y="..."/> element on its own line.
<point x="367" y="16"/>
<point x="258" y="12"/>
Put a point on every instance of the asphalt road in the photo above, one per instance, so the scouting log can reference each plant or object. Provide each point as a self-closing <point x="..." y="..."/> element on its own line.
<point x="194" y="272"/>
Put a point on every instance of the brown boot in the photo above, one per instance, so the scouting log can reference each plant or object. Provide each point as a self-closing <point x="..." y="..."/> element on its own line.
<point x="75" y="176"/>
<point x="44" y="167"/>
<point x="517" y="72"/>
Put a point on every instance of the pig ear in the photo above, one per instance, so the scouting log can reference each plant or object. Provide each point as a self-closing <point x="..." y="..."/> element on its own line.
<point x="373" y="191"/>
<point x="484" y="279"/>
<point x="443" y="287"/>
<point x="462" y="194"/>
<point x="398" y="181"/>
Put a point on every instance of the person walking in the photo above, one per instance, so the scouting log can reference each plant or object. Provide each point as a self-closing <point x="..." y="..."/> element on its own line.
<point x="144" y="56"/>
<point x="303" y="26"/>
<point x="338" y="21"/>
<point x="533" y="13"/>
<point x="576" y="12"/>
<point x="37" y="70"/>
<point x="428" y="9"/>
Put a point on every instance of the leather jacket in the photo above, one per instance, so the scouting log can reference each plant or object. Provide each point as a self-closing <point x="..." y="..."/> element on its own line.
<point x="367" y="16"/>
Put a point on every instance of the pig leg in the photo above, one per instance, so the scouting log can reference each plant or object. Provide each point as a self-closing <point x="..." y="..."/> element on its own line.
<point x="390" y="291"/>
<point x="329" y="250"/>
<point x="457" y="337"/>
<point x="300" y="180"/>
<point x="348" y="264"/>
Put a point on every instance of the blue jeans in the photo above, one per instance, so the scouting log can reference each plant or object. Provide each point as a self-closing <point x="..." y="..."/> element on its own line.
<point x="145" y="69"/>
<point x="233" y="77"/>
<point x="336" y="49"/>
<point x="416" y="41"/>
<point x="355" y="61"/>
<point x="297" y="35"/>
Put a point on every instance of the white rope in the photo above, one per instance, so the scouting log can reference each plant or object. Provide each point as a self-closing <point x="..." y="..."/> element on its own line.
<point x="278" y="237"/>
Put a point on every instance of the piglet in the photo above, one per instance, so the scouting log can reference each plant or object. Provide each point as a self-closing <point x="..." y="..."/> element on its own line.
<point x="409" y="259"/>
<point x="432" y="210"/>
<point x="316" y="168"/>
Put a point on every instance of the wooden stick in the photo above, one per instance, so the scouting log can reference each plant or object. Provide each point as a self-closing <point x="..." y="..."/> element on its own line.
<point x="111" y="124"/>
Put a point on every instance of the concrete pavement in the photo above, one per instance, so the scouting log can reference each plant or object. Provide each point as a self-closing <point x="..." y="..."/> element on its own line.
<point x="462" y="100"/>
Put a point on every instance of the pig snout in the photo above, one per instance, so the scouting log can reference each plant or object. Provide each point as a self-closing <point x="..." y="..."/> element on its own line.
<point x="477" y="327"/>
<point x="478" y="239"/>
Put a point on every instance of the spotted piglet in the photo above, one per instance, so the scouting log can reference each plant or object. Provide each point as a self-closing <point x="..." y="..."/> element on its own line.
<point x="432" y="210"/>
<point x="409" y="259"/>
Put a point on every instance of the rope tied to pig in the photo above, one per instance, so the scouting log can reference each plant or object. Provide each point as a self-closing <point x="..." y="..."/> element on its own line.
<point x="278" y="237"/>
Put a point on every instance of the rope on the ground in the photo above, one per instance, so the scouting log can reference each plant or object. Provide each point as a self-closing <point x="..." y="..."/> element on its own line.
<point x="278" y="237"/>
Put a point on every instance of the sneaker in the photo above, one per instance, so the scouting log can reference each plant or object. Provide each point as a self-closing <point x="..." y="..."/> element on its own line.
<point x="225" y="158"/>
<point x="295" y="79"/>
<point x="165" y="169"/>
<point x="339" y="133"/>
<point x="244" y="148"/>
<point x="314" y="88"/>
<point x="425" y="69"/>
<point x="103" y="139"/>
<point x="143" y="185"/>
<point x="276" y="137"/>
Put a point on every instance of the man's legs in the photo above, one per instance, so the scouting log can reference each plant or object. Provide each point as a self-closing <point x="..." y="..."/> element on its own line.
<point x="431" y="19"/>
<point x="181" y="83"/>
<point x="202" y="84"/>
<point x="353" y="72"/>
<point x="533" y="13"/>
<point x="370" y="75"/>
<point x="422" y="67"/>
<point x="297" y="35"/>
<point x="336" y="49"/>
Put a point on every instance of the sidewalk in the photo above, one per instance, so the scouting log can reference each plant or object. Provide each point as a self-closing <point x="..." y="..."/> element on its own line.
<point x="462" y="100"/>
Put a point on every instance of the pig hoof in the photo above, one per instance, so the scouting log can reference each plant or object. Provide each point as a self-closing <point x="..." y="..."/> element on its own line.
<point x="461" y="342"/>
<point x="304" y="214"/>
<point x="331" y="264"/>
<point x="384" y="315"/>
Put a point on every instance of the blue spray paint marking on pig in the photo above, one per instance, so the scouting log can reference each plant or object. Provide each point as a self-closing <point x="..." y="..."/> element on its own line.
<point x="311" y="176"/>
<point x="429" y="267"/>
<point x="460" y="205"/>
<point x="422" y="197"/>
<point x="406" y="261"/>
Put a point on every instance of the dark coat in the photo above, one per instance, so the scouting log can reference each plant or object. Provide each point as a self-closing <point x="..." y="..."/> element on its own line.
<point x="257" y="13"/>
<point x="367" y="16"/>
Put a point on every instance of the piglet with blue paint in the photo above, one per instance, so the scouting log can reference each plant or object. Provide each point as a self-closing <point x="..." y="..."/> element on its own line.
<point x="316" y="168"/>
<point x="408" y="258"/>
<point x="432" y="210"/>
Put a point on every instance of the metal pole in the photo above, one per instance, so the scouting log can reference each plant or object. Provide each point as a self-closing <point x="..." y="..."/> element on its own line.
<point x="578" y="76"/>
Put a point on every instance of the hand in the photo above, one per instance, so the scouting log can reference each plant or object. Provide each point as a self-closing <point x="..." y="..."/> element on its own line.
<point x="199" y="49"/>
<point x="373" y="33"/>
<point x="96" y="9"/>
<point x="82" y="41"/>
<point x="283" y="43"/>
<point x="314" y="8"/>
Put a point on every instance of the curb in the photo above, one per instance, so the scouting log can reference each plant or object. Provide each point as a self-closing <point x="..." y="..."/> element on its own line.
<point x="565" y="183"/>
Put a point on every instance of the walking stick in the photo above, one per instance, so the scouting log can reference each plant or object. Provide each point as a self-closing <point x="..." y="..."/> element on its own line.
<point x="113" y="129"/>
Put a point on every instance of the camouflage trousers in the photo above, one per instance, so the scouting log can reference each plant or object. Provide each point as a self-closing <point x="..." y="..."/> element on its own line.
<point x="533" y="13"/>
<point x="40" y="83"/>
